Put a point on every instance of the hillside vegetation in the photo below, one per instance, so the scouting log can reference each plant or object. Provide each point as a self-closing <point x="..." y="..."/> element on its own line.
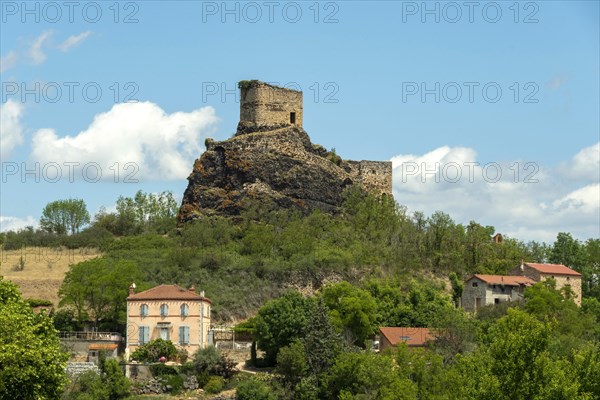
<point x="242" y="262"/>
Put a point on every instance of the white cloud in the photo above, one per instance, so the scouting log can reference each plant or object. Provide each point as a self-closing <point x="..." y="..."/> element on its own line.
<point x="15" y="224"/>
<point x="36" y="50"/>
<point x="8" y="61"/>
<point x="527" y="201"/>
<point x="585" y="165"/>
<point x="11" y="131"/>
<point x="73" y="41"/>
<point x="160" y="145"/>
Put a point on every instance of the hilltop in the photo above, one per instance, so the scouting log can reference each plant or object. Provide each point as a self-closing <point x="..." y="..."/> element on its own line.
<point x="271" y="162"/>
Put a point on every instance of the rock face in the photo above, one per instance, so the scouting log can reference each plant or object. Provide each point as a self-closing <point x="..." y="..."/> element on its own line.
<point x="272" y="161"/>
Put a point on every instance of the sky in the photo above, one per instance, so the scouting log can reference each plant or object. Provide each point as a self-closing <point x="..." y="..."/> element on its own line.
<point x="489" y="111"/>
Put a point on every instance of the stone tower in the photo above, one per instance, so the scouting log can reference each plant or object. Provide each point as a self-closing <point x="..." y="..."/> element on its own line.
<point x="265" y="107"/>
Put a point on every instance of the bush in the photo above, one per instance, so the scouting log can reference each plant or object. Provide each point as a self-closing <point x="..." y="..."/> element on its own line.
<point x="175" y="381"/>
<point x="162" y="369"/>
<point x="214" y="385"/>
<point x="253" y="389"/>
<point x="209" y="360"/>
<point x="153" y="350"/>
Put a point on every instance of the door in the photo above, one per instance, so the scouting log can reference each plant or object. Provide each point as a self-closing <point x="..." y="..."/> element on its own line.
<point x="164" y="333"/>
<point x="477" y="303"/>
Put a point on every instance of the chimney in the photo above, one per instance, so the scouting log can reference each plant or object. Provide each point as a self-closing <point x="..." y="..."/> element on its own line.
<point x="132" y="289"/>
<point x="202" y="293"/>
<point x="522" y="265"/>
<point x="192" y="288"/>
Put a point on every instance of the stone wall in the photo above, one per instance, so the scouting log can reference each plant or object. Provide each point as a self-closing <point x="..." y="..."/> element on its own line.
<point x="374" y="175"/>
<point x="266" y="107"/>
<point x="78" y="368"/>
<point x="561" y="280"/>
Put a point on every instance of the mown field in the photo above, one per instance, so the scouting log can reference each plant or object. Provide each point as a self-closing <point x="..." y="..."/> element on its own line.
<point x="43" y="268"/>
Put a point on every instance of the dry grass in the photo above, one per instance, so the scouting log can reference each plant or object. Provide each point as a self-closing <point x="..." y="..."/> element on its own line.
<point x="44" y="269"/>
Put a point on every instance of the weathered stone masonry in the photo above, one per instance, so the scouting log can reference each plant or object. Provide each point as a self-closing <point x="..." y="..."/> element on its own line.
<point x="271" y="159"/>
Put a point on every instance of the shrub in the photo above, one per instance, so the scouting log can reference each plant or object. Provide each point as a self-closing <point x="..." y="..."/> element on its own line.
<point x="175" y="381"/>
<point x="209" y="360"/>
<point x="253" y="389"/>
<point x="162" y="369"/>
<point x="214" y="385"/>
<point x="153" y="350"/>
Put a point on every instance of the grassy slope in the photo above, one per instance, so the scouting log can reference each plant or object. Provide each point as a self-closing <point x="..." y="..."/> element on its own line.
<point x="44" y="270"/>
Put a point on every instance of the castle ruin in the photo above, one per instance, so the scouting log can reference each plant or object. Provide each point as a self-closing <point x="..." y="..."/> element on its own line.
<point x="271" y="160"/>
<point x="265" y="107"/>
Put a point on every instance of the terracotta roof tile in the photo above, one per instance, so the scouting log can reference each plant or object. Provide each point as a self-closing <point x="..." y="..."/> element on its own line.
<point x="508" y="280"/>
<point x="412" y="336"/>
<point x="555" y="269"/>
<point x="167" y="292"/>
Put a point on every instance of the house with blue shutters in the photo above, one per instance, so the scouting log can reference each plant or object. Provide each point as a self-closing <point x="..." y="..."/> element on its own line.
<point x="169" y="312"/>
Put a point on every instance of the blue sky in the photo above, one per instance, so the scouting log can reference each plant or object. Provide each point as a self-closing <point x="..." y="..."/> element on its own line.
<point x="489" y="111"/>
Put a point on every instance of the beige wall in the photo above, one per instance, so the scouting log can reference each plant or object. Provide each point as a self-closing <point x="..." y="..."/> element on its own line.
<point x="264" y="105"/>
<point x="561" y="280"/>
<point x="198" y="326"/>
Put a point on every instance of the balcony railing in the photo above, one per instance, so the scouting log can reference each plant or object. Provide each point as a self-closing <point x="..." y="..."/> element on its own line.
<point x="96" y="336"/>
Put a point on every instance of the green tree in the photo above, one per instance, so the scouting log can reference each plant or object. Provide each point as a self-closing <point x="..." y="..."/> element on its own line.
<point x="64" y="216"/>
<point x="279" y="323"/>
<point x="114" y="379"/>
<point x="97" y="289"/>
<point x="32" y="364"/>
<point x="566" y="250"/>
<point x="292" y="364"/>
<point x="322" y="342"/>
<point x="457" y="288"/>
<point x="353" y="310"/>
<point x="366" y="376"/>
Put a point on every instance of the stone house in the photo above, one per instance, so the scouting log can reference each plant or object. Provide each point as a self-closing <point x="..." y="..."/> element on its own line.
<point x="563" y="275"/>
<point x="481" y="290"/>
<point x="169" y="312"/>
<point x="389" y="337"/>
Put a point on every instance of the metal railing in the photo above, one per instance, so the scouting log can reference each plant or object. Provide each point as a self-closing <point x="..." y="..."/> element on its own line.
<point x="84" y="335"/>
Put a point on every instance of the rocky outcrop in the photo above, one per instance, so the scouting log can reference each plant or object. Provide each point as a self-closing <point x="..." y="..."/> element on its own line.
<point x="281" y="168"/>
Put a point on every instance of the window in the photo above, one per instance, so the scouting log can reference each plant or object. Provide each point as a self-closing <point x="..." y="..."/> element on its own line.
<point x="496" y="301"/>
<point x="185" y="310"/>
<point x="474" y="284"/>
<point x="144" y="334"/>
<point x="292" y="118"/>
<point x="164" y="310"/>
<point x="184" y="335"/>
<point x="144" y="310"/>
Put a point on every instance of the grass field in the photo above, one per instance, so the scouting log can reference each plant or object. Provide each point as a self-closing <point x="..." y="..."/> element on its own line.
<point x="43" y="269"/>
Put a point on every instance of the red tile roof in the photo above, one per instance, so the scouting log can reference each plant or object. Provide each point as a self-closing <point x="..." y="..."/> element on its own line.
<point x="167" y="292"/>
<point x="508" y="280"/>
<point x="412" y="336"/>
<point x="553" y="269"/>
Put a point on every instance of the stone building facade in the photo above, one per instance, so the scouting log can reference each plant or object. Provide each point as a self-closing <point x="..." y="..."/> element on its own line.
<point x="266" y="107"/>
<point x="482" y="290"/>
<point x="168" y="312"/>
<point x="563" y="275"/>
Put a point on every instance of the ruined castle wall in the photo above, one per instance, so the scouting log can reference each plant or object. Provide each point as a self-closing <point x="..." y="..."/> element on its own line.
<point x="374" y="175"/>
<point x="265" y="105"/>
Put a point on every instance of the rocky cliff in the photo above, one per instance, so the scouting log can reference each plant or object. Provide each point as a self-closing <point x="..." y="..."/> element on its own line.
<point x="279" y="168"/>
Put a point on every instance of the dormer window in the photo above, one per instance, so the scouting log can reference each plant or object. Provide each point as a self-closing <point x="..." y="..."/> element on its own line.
<point x="184" y="310"/>
<point x="144" y="310"/>
<point x="164" y="310"/>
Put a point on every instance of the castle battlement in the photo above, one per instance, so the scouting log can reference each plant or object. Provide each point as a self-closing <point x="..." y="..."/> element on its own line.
<point x="265" y="107"/>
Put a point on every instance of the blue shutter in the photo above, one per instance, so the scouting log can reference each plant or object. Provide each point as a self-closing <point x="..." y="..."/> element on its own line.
<point x="187" y="334"/>
<point x="182" y="335"/>
<point x="141" y="335"/>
